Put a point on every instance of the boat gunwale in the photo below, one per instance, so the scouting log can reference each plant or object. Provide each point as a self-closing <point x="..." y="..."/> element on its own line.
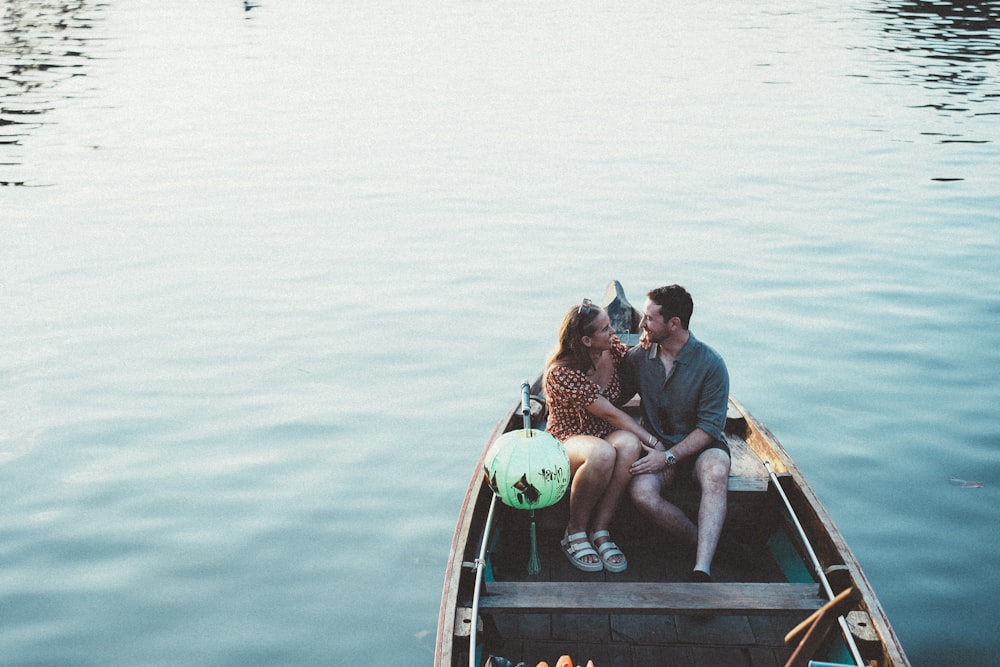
<point x="810" y="500"/>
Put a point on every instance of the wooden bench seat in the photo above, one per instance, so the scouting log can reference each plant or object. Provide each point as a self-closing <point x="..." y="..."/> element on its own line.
<point x="744" y="599"/>
<point x="747" y="473"/>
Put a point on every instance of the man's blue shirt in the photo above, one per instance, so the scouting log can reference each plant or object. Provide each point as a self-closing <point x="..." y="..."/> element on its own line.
<point x="695" y="394"/>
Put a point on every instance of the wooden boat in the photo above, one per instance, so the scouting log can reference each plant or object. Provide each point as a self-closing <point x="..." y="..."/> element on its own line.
<point x="781" y="563"/>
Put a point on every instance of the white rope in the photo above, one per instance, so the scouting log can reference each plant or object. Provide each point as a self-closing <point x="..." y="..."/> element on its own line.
<point x="845" y="629"/>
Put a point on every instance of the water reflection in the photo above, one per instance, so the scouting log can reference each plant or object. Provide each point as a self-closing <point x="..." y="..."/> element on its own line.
<point x="948" y="46"/>
<point x="43" y="44"/>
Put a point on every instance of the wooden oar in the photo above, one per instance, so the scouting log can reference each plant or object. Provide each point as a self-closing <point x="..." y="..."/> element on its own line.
<point x="793" y="634"/>
<point x="818" y="626"/>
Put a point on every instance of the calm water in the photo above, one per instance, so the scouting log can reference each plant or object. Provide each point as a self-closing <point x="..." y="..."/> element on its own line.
<point x="268" y="277"/>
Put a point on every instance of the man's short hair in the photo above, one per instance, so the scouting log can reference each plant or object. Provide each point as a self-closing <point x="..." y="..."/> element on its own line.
<point x="674" y="301"/>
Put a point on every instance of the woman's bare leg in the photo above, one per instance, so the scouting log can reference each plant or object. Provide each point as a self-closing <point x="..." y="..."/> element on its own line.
<point x="592" y="463"/>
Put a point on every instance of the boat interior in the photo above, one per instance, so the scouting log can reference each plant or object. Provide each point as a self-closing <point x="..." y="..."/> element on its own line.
<point x="649" y="614"/>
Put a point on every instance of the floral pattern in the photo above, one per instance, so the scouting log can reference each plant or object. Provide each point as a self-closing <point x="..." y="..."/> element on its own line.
<point x="568" y="392"/>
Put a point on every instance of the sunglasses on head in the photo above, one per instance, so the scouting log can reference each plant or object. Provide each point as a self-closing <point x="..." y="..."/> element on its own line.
<point x="585" y="307"/>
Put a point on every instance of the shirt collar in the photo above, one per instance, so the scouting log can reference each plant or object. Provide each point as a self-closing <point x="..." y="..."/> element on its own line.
<point x="688" y="348"/>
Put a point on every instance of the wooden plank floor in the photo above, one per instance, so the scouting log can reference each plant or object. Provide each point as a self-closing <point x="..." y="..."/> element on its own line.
<point x="641" y="641"/>
<point x="652" y="555"/>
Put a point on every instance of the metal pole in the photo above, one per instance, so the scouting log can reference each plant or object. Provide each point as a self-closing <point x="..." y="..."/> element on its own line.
<point x="848" y="637"/>
<point x="480" y="565"/>
<point x="534" y="567"/>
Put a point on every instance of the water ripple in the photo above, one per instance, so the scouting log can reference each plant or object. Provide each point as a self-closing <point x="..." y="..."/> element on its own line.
<point x="948" y="47"/>
<point x="43" y="46"/>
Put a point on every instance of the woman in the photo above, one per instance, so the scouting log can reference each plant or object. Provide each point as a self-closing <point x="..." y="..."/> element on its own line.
<point x="582" y="389"/>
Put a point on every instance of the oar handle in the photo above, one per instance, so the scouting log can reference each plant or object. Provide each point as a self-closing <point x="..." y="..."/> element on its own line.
<point x="838" y="606"/>
<point x="812" y="632"/>
<point x="526" y="406"/>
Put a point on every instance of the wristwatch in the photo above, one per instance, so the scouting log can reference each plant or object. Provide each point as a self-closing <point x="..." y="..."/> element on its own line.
<point x="671" y="459"/>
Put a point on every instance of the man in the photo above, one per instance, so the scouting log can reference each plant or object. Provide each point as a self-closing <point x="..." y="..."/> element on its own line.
<point x="684" y="387"/>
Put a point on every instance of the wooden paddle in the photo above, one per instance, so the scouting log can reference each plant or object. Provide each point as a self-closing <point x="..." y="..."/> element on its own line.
<point x="817" y="626"/>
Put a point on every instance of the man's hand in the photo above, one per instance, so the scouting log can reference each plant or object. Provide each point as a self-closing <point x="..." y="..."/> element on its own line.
<point x="654" y="461"/>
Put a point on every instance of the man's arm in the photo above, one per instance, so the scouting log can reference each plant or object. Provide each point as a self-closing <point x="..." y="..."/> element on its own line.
<point x="692" y="445"/>
<point x="655" y="461"/>
<point x="713" y="403"/>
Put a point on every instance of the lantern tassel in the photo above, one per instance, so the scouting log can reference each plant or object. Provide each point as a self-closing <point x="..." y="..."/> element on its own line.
<point x="534" y="567"/>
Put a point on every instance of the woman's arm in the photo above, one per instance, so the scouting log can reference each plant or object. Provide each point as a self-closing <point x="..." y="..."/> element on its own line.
<point x="606" y="410"/>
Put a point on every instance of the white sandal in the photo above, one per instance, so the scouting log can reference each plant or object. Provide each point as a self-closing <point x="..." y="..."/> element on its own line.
<point x="606" y="550"/>
<point x="574" y="550"/>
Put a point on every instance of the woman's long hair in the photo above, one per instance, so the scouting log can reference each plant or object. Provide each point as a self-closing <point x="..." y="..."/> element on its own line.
<point x="571" y="351"/>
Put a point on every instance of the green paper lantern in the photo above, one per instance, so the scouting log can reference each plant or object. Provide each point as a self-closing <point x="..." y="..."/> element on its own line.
<point x="527" y="469"/>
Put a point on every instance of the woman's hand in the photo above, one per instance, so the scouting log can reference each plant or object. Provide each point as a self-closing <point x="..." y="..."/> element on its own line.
<point x="644" y="340"/>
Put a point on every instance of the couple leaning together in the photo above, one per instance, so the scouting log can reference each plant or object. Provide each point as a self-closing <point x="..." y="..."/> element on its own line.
<point x="684" y="388"/>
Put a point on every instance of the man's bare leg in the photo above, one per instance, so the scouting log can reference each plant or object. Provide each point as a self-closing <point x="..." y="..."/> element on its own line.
<point x="646" y="491"/>
<point x="711" y="469"/>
